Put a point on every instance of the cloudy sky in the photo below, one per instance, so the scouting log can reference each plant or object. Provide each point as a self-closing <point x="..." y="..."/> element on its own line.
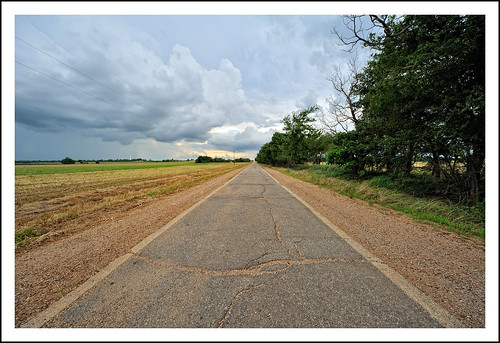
<point x="165" y="86"/>
<point x="168" y="82"/>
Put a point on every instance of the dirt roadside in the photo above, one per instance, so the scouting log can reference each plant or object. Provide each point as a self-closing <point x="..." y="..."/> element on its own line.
<point x="444" y="266"/>
<point x="44" y="274"/>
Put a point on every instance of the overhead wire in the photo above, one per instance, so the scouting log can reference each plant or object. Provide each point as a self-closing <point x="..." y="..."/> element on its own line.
<point x="78" y="71"/>
<point x="87" y="76"/>
<point x="81" y="90"/>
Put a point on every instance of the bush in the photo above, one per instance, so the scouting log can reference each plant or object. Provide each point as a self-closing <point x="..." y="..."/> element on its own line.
<point x="348" y="150"/>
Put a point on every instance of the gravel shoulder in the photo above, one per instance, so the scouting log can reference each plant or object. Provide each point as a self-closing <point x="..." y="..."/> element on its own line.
<point x="445" y="266"/>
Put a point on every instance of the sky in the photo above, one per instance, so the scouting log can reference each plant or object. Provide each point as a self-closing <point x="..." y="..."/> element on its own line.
<point x="165" y="86"/>
<point x="94" y="83"/>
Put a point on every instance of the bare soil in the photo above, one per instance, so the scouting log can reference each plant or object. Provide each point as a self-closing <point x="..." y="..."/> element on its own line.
<point x="445" y="266"/>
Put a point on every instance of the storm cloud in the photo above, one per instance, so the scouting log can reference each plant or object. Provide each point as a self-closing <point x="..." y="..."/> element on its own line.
<point x="171" y="80"/>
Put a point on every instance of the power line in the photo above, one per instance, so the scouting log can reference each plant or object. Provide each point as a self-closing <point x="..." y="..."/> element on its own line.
<point x="87" y="76"/>
<point x="81" y="90"/>
<point x="78" y="71"/>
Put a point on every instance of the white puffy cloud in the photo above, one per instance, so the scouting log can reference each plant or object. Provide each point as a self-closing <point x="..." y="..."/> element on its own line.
<point x="167" y="79"/>
<point x="143" y="97"/>
<point x="250" y="139"/>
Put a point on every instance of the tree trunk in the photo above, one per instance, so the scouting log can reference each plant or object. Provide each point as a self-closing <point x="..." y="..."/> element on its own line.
<point x="474" y="171"/>
<point x="409" y="160"/>
<point x="436" y="168"/>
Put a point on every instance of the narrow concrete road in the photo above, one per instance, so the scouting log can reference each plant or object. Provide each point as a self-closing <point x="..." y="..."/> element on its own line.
<point x="251" y="255"/>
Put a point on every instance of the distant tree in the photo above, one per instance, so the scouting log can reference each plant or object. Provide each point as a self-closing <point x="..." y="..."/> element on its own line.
<point x="204" y="159"/>
<point x="301" y="142"/>
<point x="67" y="160"/>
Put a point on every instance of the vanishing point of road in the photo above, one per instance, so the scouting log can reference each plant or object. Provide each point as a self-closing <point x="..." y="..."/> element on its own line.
<point x="251" y="255"/>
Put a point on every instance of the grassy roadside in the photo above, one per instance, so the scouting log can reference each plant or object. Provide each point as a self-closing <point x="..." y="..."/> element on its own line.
<point x="409" y="196"/>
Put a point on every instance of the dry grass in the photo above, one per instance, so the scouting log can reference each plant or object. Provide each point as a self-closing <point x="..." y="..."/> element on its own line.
<point x="49" y="206"/>
<point x="440" y="212"/>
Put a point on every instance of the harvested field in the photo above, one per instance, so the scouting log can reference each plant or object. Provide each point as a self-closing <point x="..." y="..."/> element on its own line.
<point x="56" y="201"/>
<point x="57" y="266"/>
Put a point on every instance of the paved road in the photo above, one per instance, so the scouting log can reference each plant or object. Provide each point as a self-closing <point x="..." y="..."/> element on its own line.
<point x="251" y="255"/>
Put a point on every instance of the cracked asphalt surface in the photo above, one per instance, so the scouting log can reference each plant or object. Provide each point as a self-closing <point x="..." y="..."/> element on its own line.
<point x="250" y="256"/>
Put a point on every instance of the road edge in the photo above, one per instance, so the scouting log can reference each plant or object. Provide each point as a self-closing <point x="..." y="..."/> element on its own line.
<point x="435" y="310"/>
<point x="57" y="307"/>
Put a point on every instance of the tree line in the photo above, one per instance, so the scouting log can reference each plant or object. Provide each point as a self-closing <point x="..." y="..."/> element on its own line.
<point x="421" y="96"/>
<point x="208" y="159"/>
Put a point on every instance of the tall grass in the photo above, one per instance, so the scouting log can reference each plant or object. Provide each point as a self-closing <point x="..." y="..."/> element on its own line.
<point x="414" y="196"/>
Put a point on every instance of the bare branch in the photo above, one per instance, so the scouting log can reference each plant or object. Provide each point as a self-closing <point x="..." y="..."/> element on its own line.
<point x="343" y="111"/>
<point x="354" y="23"/>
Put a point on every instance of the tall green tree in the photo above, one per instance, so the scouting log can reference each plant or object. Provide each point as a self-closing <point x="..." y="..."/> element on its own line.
<point x="423" y="93"/>
<point x="299" y="143"/>
<point x="299" y="132"/>
<point x="272" y="152"/>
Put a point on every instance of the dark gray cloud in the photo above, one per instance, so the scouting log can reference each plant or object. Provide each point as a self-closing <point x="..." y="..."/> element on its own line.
<point x="166" y="79"/>
<point x="165" y="101"/>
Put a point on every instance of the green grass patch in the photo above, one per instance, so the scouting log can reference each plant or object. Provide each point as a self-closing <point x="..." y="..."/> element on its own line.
<point x="79" y="168"/>
<point x="28" y="232"/>
<point x="413" y="195"/>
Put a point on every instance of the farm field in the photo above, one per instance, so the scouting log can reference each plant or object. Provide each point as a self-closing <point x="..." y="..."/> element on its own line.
<point x="52" y="201"/>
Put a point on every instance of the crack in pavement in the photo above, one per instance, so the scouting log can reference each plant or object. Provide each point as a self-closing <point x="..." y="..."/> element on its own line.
<point x="302" y="257"/>
<point x="236" y="297"/>
<point x="249" y="264"/>
<point x="255" y="270"/>
<point x="276" y="229"/>
<point x="274" y="267"/>
<point x="231" y="306"/>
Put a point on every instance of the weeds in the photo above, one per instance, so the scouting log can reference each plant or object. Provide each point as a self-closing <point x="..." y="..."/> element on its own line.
<point x="28" y="232"/>
<point x="414" y="196"/>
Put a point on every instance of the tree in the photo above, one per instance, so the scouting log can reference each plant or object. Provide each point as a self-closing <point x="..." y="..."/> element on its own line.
<point x="204" y="159"/>
<point x="301" y="142"/>
<point x="272" y="152"/>
<point x="67" y="160"/>
<point x="346" y="151"/>
<point x="318" y="145"/>
<point x="373" y="31"/>
<point x="423" y="93"/>
<point x="298" y="132"/>
<point x="343" y="110"/>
